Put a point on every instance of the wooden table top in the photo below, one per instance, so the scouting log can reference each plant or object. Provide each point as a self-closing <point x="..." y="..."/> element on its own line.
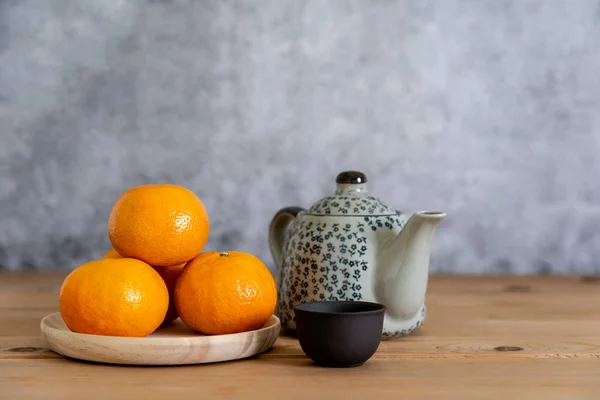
<point x="463" y="351"/>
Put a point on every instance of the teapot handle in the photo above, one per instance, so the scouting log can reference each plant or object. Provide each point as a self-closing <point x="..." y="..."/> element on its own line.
<point x="277" y="228"/>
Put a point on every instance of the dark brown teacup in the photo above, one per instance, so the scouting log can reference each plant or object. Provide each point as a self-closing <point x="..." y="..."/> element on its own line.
<point x="339" y="333"/>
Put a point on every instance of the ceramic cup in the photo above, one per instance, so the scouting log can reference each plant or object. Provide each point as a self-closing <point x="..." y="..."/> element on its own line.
<point x="339" y="333"/>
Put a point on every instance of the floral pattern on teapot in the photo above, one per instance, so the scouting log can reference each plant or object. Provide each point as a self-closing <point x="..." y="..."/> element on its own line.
<point x="350" y="205"/>
<point x="330" y="261"/>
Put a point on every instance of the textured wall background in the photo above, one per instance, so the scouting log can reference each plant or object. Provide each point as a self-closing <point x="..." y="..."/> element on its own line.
<point x="489" y="110"/>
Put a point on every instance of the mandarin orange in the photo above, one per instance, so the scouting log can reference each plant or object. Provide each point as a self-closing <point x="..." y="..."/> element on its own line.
<point x="227" y="292"/>
<point x="160" y="224"/>
<point x="112" y="253"/>
<point x="114" y="297"/>
<point x="170" y="276"/>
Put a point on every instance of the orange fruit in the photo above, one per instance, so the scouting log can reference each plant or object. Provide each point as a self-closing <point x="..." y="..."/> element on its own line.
<point x="229" y="292"/>
<point x="160" y="224"/>
<point x="170" y="275"/>
<point x="112" y="253"/>
<point x="114" y="297"/>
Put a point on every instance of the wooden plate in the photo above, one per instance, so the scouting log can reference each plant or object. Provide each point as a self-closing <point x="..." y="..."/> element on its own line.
<point x="175" y="344"/>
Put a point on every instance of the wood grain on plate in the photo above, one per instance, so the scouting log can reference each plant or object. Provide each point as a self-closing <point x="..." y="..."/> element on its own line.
<point x="484" y="338"/>
<point x="175" y="344"/>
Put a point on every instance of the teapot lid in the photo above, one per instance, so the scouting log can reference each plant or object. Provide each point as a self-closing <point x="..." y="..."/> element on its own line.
<point x="351" y="198"/>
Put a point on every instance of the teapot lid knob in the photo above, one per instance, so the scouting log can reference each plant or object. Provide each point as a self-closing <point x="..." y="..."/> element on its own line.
<point x="351" y="177"/>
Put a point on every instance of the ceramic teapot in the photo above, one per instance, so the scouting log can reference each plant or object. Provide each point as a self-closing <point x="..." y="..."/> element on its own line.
<point x="352" y="246"/>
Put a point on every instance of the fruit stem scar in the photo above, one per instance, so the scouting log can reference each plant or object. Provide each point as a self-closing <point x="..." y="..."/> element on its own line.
<point x="224" y="255"/>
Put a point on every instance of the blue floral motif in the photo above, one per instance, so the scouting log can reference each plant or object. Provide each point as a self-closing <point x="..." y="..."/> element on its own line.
<point x="330" y="260"/>
<point x="347" y="204"/>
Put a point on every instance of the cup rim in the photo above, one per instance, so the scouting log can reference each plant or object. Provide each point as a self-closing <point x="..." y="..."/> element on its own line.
<point x="307" y="307"/>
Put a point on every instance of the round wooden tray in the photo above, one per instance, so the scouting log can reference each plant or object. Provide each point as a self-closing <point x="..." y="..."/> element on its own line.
<point x="174" y="344"/>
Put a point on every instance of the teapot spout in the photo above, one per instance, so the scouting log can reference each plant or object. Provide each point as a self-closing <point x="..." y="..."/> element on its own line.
<point x="402" y="267"/>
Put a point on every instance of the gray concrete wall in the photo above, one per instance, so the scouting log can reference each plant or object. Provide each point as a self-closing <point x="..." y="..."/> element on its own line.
<point x="489" y="110"/>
